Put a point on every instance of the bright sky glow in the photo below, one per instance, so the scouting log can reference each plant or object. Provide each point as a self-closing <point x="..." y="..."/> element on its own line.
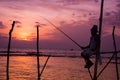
<point x="72" y="16"/>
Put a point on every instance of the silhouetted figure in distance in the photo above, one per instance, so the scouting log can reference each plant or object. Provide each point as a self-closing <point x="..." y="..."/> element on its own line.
<point x="92" y="48"/>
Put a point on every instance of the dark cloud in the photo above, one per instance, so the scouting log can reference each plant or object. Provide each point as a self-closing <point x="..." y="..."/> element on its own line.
<point x="109" y="18"/>
<point x="3" y="36"/>
<point x="107" y="13"/>
<point x="15" y="43"/>
<point x="118" y="5"/>
<point x="96" y="0"/>
<point x="23" y="44"/>
<point x="112" y="18"/>
<point x="1" y="25"/>
<point x="45" y="44"/>
<point x="3" y="40"/>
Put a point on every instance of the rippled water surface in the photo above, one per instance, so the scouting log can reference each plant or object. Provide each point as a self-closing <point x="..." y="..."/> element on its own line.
<point x="58" y="68"/>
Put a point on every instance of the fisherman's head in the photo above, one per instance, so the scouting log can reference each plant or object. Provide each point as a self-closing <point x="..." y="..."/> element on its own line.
<point x="94" y="30"/>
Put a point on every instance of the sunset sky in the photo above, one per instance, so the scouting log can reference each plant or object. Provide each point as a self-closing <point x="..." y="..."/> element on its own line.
<point x="74" y="17"/>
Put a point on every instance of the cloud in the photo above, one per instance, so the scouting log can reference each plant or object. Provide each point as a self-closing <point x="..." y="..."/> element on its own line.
<point x="39" y="24"/>
<point x="17" y="22"/>
<point x="74" y="2"/>
<point x="3" y="40"/>
<point x="38" y="5"/>
<point x="118" y="5"/>
<point x="112" y="18"/>
<point x="1" y="25"/>
<point x="11" y="0"/>
<point x="107" y="13"/>
<point x="3" y="36"/>
<point x="18" y="4"/>
<point x="69" y="2"/>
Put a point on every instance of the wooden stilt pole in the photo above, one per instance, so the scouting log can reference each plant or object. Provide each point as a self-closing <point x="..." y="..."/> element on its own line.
<point x="8" y="51"/>
<point x="114" y="54"/>
<point x="98" y="54"/>
<point x="38" y="66"/>
<point x="114" y="43"/>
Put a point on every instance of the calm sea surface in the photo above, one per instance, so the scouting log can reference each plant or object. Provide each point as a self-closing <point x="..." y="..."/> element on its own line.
<point x="58" y="68"/>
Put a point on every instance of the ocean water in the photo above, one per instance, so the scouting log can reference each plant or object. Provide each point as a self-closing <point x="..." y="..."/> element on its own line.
<point x="58" y="68"/>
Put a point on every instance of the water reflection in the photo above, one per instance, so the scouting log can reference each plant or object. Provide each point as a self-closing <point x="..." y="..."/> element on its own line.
<point x="58" y="68"/>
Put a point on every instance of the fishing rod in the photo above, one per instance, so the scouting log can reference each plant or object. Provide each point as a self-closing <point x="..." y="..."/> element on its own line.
<point x="62" y="32"/>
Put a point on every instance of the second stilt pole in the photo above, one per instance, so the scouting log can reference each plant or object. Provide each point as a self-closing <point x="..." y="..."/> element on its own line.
<point x="38" y="63"/>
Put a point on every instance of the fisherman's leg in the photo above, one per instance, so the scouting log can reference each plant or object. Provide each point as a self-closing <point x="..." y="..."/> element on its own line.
<point x="83" y="56"/>
<point x="86" y="55"/>
<point x="89" y="63"/>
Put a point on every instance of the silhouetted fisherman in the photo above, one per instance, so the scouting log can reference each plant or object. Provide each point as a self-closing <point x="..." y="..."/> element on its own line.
<point x="92" y="48"/>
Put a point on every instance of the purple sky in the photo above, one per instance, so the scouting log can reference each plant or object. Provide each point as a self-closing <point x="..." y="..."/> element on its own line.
<point x="74" y="17"/>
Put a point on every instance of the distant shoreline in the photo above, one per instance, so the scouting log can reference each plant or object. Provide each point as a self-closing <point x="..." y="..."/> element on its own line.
<point x="34" y="53"/>
<point x="40" y="55"/>
<point x="48" y="55"/>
